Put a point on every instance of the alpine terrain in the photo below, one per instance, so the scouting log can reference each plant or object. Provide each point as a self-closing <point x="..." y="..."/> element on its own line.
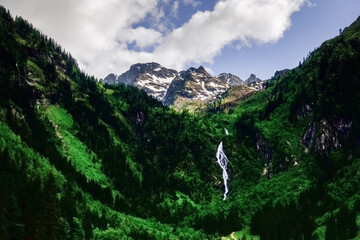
<point x="191" y="89"/>
<point x="115" y="159"/>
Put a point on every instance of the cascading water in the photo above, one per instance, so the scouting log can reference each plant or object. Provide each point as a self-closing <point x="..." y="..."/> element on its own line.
<point x="223" y="160"/>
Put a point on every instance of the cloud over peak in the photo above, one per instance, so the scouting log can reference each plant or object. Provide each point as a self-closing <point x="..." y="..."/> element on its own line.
<point x="111" y="35"/>
<point x="207" y="33"/>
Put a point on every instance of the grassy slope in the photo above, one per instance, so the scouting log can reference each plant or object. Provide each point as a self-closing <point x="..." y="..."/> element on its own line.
<point x="121" y="225"/>
<point x="83" y="159"/>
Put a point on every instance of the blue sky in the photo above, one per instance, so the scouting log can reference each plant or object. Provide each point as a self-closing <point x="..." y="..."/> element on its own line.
<point x="236" y="36"/>
<point x="310" y="28"/>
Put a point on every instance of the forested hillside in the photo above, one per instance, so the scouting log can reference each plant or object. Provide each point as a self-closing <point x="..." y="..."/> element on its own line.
<point x="84" y="160"/>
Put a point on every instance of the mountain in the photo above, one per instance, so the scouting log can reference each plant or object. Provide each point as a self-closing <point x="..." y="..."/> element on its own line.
<point x="238" y="91"/>
<point x="151" y="77"/>
<point x="231" y="79"/>
<point x="188" y="89"/>
<point x="232" y="98"/>
<point x="193" y="88"/>
<point x="111" y="79"/>
<point x="80" y="159"/>
<point x="308" y="117"/>
<point x="252" y="79"/>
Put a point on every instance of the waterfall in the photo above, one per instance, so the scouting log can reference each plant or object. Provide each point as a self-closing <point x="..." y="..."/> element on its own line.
<point x="223" y="160"/>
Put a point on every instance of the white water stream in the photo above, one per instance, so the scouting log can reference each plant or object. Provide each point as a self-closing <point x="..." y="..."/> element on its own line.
<point x="223" y="160"/>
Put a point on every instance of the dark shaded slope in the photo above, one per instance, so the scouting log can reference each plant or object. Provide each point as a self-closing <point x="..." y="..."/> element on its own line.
<point x="306" y="123"/>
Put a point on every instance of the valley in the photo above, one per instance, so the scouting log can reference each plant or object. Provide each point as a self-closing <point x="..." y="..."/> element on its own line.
<point x="136" y="156"/>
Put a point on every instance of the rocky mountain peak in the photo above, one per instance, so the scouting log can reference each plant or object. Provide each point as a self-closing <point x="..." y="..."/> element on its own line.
<point x="140" y="70"/>
<point x="252" y="79"/>
<point x="151" y="77"/>
<point x="190" y="88"/>
<point x="231" y="79"/>
<point x="199" y="71"/>
<point x="146" y="67"/>
<point x="111" y="78"/>
<point x="194" y="87"/>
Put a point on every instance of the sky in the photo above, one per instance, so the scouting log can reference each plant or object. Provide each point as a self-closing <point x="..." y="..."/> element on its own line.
<point x="233" y="36"/>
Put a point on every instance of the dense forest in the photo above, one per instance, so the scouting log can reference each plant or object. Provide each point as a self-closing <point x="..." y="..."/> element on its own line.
<point x="84" y="160"/>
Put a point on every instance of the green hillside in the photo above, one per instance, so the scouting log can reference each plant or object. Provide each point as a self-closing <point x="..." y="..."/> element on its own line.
<point x="83" y="160"/>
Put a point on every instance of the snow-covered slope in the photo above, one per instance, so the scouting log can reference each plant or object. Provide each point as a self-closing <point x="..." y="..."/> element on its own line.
<point x="191" y="89"/>
<point x="152" y="77"/>
<point x="194" y="87"/>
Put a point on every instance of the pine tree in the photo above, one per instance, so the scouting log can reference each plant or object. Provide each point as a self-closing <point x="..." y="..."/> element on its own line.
<point x="52" y="206"/>
<point x="77" y="231"/>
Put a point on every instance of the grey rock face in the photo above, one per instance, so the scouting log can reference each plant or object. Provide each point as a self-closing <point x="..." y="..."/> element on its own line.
<point x="327" y="135"/>
<point x="151" y="77"/>
<point x="194" y="86"/>
<point x="231" y="79"/>
<point x="111" y="79"/>
<point x="252" y="79"/>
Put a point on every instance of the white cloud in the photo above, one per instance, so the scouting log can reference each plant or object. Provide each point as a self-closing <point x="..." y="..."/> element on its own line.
<point x="310" y="4"/>
<point x="194" y="3"/>
<point x="244" y="21"/>
<point x="90" y="29"/>
<point x="175" y="9"/>
<point x="97" y="32"/>
<point x="142" y="37"/>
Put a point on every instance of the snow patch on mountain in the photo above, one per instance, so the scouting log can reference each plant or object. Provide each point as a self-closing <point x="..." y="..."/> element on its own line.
<point x="186" y="89"/>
